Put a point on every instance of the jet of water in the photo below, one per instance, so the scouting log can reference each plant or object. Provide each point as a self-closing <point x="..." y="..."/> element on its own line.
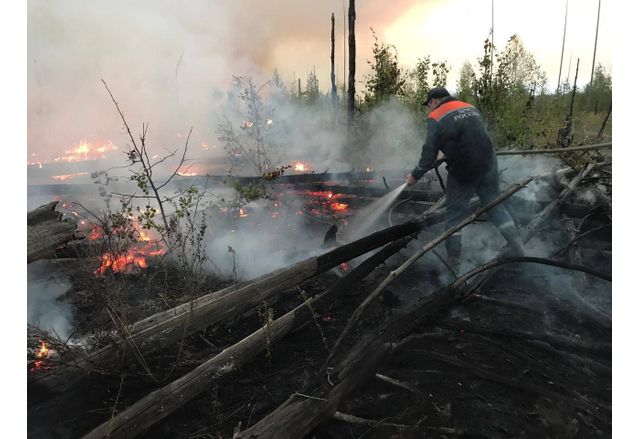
<point x="365" y="218"/>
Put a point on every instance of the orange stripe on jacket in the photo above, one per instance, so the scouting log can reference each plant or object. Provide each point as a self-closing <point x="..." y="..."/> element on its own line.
<point x="447" y="107"/>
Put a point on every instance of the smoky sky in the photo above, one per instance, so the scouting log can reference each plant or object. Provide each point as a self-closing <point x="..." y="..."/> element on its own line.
<point x="168" y="63"/>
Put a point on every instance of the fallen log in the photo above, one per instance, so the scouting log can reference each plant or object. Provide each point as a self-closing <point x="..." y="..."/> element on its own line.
<point x="167" y="327"/>
<point x="555" y="150"/>
<point x="46" y="231"/>
<point x="83" y="248"/>
<point x="164" y="401"/>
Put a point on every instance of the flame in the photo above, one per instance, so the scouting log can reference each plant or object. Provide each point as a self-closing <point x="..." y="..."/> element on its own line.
<point x="243" y="213"/>
<point x="121" y="263"/>
<point x="95" y="233"/>
<point x="148" y="245"/>
<point x="41" y="354"/>
<point x="86" y="151"/>
<point x="247" y="124"/>
<point x="65" y="177"/>
<point x="187" y="174"/>
<point x="301" y="166"/>
<point x="345" y="267"/>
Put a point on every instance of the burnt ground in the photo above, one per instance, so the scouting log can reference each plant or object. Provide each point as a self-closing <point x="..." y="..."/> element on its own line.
<point x="521" y="358"/>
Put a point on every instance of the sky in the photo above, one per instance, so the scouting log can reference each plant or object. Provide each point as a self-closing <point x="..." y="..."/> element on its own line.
<point x="170" y="64"/>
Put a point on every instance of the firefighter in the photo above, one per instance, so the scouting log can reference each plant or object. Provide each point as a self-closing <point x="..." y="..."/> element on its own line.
<point x="457" y="129"/>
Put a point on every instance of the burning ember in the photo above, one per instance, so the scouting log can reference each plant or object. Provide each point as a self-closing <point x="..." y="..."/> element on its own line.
<point x="301" y="166"/>
<point x="96" y="232"/>
<point x="41" y="355"/>
<point x="345" y="267"/>
<point x="339" y="206"/>
<point x="65" y="177"/>
<point x="327" y="203"/>
<point x="86" y="151"/>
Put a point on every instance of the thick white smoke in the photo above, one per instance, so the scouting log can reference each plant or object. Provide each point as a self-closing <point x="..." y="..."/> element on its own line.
<point x="44" y="287"/>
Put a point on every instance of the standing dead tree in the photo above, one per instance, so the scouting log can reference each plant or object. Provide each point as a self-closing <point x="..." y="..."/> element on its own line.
<point x="334" y="90"/>
<point x="565" y="134"/>
<point x="604" y="122"/>
<point x="352" y="62"/>
<point x="564" y="34"/>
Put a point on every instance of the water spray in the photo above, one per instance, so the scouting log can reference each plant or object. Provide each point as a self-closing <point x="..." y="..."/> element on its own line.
<point x="368" y="216"/>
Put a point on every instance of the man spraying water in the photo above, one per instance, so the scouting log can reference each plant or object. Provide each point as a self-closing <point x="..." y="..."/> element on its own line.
<point x="456" y="128"/>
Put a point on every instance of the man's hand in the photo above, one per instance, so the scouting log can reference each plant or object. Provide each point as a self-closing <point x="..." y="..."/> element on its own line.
<point x="410" y="180"/>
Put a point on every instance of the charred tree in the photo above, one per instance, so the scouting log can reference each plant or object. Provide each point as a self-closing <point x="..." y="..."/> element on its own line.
<point x="565" y="134"/>
<point x="352" y="62"/>
<point x="334" y="90"/>
<point x="604" y="122"/>
<point x="564" y="34"/>
<point x="595" y="46"/>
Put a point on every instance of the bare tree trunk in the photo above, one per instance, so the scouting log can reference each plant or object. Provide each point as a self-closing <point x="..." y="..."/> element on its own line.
<point x="564" y="34"/>
<point x="604" y="122"/>
<point x="573" y="92"/>
<point x="352" y="62"/>
<point x="595" y="45"/>
<point x="334" y="91"/>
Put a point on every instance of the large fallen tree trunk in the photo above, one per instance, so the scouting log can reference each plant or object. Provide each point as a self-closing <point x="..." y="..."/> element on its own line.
<point x="164" y="401"/>
<point x="46" y="231"/>
<point x="165" y="328"/>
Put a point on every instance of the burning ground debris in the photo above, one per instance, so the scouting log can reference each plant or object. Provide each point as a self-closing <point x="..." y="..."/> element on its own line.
<point x="538" y="343"/>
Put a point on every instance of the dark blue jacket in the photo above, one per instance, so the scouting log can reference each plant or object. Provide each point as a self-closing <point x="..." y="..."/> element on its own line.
<point x="457" y="129"/>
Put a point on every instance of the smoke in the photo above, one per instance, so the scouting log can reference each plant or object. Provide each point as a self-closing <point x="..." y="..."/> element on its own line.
<point x="44" y="288"/>
<point x="261" y="242"/>
<point x="168" y="65"/>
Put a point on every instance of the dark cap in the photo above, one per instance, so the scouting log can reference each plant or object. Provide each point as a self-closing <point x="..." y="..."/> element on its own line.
<point x="436" y="93"/>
